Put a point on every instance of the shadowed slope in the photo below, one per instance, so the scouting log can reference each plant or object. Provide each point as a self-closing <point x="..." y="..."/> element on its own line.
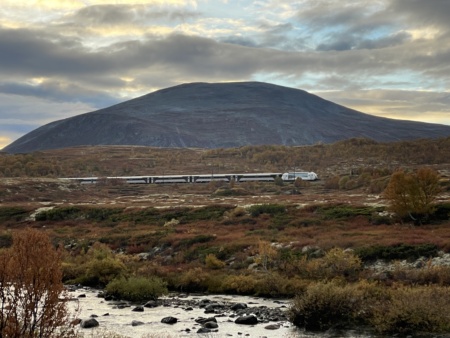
<point x="222" y="115"/>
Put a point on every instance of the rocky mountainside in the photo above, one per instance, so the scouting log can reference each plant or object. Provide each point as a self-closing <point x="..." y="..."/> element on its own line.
<point x="221" y="115"/>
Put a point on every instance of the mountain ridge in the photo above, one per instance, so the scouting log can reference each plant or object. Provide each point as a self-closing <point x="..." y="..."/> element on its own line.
<point x="221" y="115"/>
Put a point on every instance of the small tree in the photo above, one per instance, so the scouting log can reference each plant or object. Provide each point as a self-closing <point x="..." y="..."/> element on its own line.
<point x="413" y="194"/>
<point x="31" y="289"/>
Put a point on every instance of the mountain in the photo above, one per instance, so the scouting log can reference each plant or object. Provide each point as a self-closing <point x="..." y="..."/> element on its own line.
<point x="221" y="115"/>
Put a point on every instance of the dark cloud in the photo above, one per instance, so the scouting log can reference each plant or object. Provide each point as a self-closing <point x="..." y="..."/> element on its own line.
<point x="60" y="92"/>
<point x="128" y="14"/>
<point x="430" y="13"/>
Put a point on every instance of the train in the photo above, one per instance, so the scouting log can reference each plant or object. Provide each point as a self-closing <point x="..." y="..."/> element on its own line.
<point x="202" y="178"/>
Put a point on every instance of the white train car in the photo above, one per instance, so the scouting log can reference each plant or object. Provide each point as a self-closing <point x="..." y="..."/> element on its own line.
<point x="304" y="175"/>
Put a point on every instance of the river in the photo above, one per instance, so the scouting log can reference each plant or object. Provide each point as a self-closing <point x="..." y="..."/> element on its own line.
<point x="113" y="319"/>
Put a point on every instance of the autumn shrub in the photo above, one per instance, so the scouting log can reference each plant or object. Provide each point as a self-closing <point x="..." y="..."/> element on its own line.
<point x="426" y="275"/>
<point x="335" y="263"/>
<point x="97" y="267"/>
<point x="412" y="310"/>
<point x="31" y="290"/>
<point x="136" y="288"/>
<point x="194" y="279"/>
<point x="213" y="262"/>
<point x="412" y="195"/>
<point x="240" y="284"/>
<point x="274" y="284"/>
<point x="331" y="304"/>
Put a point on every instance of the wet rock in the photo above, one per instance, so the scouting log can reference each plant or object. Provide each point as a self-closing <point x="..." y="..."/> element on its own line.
<point x="202" y="320"/>
<point x="169" y="320"/>
<point x="238" y="306"/>
<point x="138" y="309"/>
<point x="136" y="323"/>
<point x="89" y="323"/>
<point x="247" y="320"/>
<point x="82" y="295"/>
<point x="272" y="327"/>
<point x="151" y="304"/>
<point x="203" y="330"/>
<point x="211" y="325"/>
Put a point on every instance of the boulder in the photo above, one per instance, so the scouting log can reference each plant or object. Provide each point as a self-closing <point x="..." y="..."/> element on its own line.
<point x="272" y="327"/>
<point x="151" y="303"/>
<point x="136" y="323"/>
<point x="169" y="320"/>
<point x="138" y="309"/>
<point x="202" y="320"/>
<point x="247" y="320"/>
<point x="89" y="323"/>
<point x="211" y="325"/>
<point x="238" y="306"/>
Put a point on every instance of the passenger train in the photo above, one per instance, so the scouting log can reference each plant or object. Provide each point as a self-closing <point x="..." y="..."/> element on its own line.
<point x="203" y="178"/>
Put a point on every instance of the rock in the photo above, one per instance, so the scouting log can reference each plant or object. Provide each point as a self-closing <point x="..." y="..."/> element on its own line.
<point x="238" y="306"/>
<point x="82" y="295"/>
<point x="211" y="325"/>
<point x="169" y="320"/>
<point x="136" y="323"/>
<point x="272" y="327"/>
<point x="89" y="323"/>
<point x="138" y="309"/>
<point x="151" y="304"/>
<point x="247" y="320"/>
<point x="203" y="330"/>
<point x="202" y="320"/>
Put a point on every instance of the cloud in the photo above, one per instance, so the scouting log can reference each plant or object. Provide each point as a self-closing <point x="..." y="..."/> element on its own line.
<point x="66" y="57"/>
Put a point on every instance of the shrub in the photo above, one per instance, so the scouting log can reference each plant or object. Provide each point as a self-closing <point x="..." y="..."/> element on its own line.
<point x="342" y="211"/>
<point x="137" y="288"/>
<point x="399" y="251"/>
<point x="240" y="284"/>
<point x="326" y="305"/>
<point x="336" y="263"/>
<point x="413" y="310"/>
<point x="31" y="289"/>
<point x="413" y="194"/>
<point x="213" y="262"/>
<point x="271" y="209"/>
<point x="12" y="214"/>
<point x="187" y="242"/>
<point x="193" y="280"/>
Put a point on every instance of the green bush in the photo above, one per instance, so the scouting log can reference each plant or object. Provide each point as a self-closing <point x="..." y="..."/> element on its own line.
<point x="12" y="214"/>
<point x="400" y="251"/>
<point x="271" y="209"/>
<point x="343" y="211"/>
<point x="137" y="288"/>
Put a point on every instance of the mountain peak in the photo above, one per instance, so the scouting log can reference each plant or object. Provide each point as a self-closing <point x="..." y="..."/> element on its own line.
<point x="221" y="115"/>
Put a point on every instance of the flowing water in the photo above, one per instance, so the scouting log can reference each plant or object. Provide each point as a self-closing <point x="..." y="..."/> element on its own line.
<point x="118" y="320"/>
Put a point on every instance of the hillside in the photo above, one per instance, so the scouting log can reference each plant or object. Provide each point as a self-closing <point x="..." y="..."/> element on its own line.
<point x="222" y="115"/>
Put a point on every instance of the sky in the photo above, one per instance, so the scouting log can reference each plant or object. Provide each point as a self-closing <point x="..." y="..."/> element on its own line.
<point x="60" y="58"/>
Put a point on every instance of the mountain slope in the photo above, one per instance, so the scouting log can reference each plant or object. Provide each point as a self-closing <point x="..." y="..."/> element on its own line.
<point x="221" y="115"/>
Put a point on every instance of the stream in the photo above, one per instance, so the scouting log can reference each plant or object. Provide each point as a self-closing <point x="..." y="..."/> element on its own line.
<point x="117" y="317"/>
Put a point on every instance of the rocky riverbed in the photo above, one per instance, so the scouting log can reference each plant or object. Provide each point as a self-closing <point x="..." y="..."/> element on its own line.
<point x="183" y="316"/>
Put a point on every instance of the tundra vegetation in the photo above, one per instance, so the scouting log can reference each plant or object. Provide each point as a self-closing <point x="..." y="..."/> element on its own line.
<point x="318" y="243"/>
